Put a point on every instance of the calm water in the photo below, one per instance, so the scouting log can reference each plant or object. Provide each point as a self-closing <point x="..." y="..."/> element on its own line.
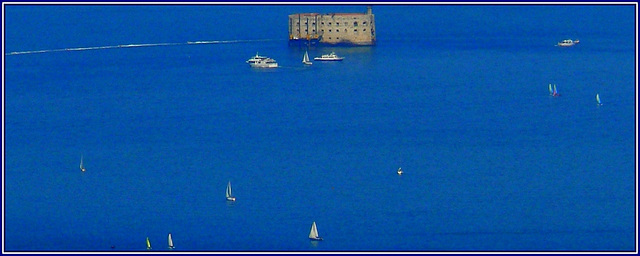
<point x="455" y="95"/>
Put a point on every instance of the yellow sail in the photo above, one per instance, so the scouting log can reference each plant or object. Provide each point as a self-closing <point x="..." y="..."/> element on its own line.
<point x="148" y="244"/>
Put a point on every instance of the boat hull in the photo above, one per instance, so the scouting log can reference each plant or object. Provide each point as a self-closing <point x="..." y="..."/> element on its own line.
<point x="315" y="239"/>
<point x="321" y="59"/>
<point x="231" y="199"/>
<point x="269" y="65"/>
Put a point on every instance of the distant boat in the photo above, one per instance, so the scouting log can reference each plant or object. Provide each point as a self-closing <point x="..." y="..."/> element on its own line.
<point x="399" y="171"/>
<point x="550" y="90"/>
<point x="598" y="99"/>
<point x="305" y="59"/>
<point x="555" y="91"/>
<point x="81" y="165"/>
<point x="228" y="193"/>
<point x="568" y="42"/>
<point x="313" y="234"/>
<point x="170" y="242"/>
<point x="329" y="57"/>
<point x="262" y="62"/>
<point x="148" y="244"/>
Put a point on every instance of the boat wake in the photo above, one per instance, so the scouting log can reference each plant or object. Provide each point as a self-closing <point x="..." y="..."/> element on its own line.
<point x="140" y="45"/>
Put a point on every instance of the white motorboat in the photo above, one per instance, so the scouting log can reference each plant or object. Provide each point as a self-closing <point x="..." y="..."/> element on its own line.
<point x="329" y="57"/>
<point x="262" y="62"/>
<point x="568" y="42"/>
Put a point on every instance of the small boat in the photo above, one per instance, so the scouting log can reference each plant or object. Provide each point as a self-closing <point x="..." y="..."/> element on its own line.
<point x="170" y="242"/>
<point x="313" y="234"/>
<point x="598" y="99"/>
<point x="148" y="244"/>
<point x="399" y="171"/>
<point x="568" y="42"/>
<point x="228" y="193"/>
<point x="329" y="57"/>
<point x="81" y="165"/>
<point x="305" y="59"/>
<point x="555" y="91"/>
<point x="550" y="90"/>
<point x="262" y="62"/>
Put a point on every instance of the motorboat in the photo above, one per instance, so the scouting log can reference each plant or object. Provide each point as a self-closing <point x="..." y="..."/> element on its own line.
<point x="262" y="62"/>
<point x="329" y="57"/>
<point x="568" y="42"/>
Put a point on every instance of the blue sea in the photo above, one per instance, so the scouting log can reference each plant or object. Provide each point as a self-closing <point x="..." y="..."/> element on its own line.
<point x="455" y="95"/>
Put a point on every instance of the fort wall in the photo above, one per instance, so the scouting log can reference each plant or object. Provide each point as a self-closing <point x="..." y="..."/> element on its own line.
<point x="333" y="28"/>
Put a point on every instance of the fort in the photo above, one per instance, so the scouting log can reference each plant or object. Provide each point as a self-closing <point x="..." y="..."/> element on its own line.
<point x="332" y="28"/>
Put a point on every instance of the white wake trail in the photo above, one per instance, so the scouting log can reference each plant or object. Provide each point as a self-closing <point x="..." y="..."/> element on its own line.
<point x="92" y="48"/>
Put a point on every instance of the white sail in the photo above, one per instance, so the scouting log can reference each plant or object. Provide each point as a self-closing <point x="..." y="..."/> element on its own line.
<point x="313" y="234"/>
<point x="228" y="194"/>
<point x="81" y="165"/>
<point x="305" y="58"/>
<point x="598" y="98"/>
<point x="148" y="244"/>
<point x="550" y="90"/>
<point x="555" y="91"/>
<point x="170" y="242"/>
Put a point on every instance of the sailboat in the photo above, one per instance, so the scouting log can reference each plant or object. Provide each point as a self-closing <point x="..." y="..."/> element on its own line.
<point x="598" y="99"/>
<point x="148" y="244"/>
<point x="313" y="234"/>
<point x="170" y="242"/>
<point x="399" y="171"/>
<point x="228" y="193"/>
<point x="305" y="59"/>
<point x="81" y="165"/>
<point x="550" y="90"/>
<point x="555" y="91"/>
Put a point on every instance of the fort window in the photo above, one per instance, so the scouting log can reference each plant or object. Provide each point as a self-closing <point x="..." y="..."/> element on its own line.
<point x="355" y="23"/>
<point x="345" y="30"/>
<point x="329" y="30"/>
<point x="329" y="23"/>
<point x="337" y="23"/>
<point x="322" y="23"/>
<point x="355" y="30"/>
<point x="364" y="29"/>
<point x="364" y="23"/>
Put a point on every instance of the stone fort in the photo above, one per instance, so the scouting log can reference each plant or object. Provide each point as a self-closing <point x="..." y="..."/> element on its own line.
<point x="333" y="28"/>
